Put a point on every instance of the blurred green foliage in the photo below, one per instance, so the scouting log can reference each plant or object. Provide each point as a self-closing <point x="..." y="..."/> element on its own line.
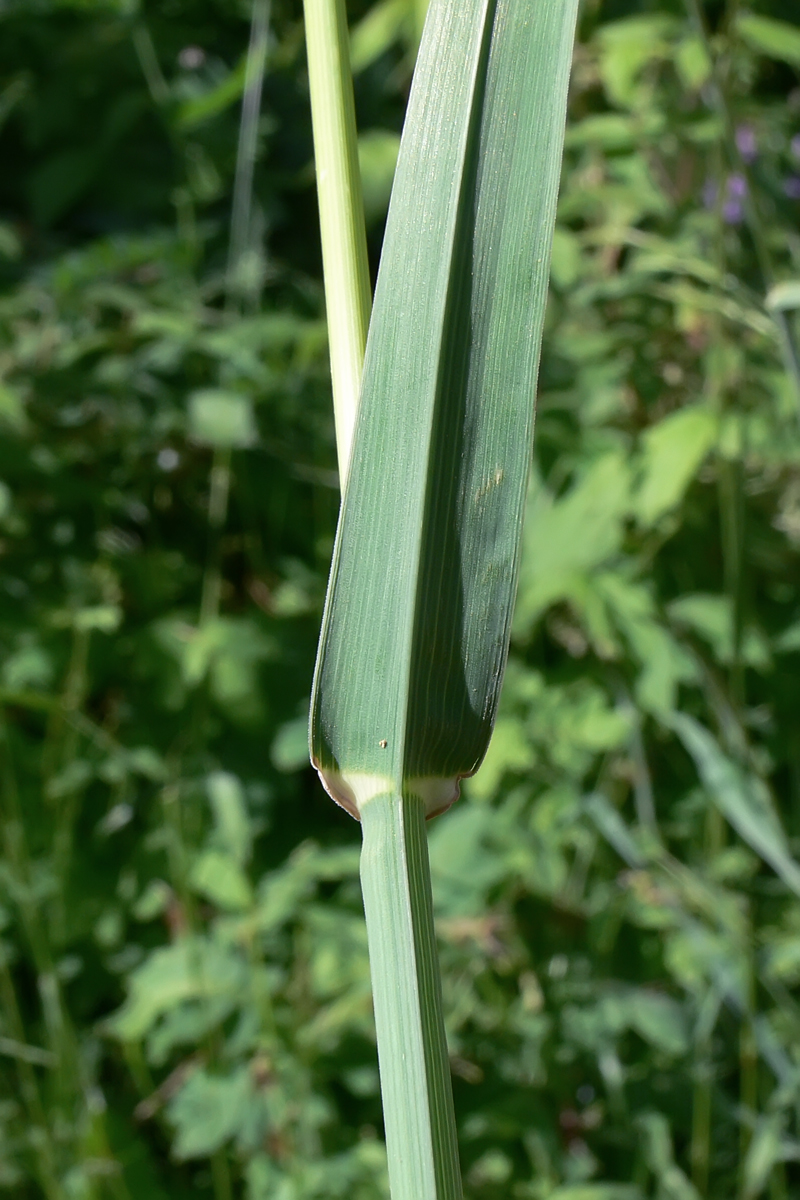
<point x="184" y="989"/>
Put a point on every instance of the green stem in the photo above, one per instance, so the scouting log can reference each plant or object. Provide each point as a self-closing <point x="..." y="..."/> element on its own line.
<point x="341" y="210"/>
<point x="237" y="286"/>
<point x="221" y="1175"/>
<point x="159" y="91"/>
<point x="412" y="1050"/>
<point x="701" y="1121"/>
<point x="219" y="492"/>
<point x="29" y="1091"/>
<point x="732" y="514"/>
<point x="748" y="1072"/>
<point x="237" y="283"/>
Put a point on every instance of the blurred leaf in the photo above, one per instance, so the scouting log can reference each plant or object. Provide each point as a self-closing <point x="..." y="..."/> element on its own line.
<point x="153" y="900"/>
<point x="741" y="797"/>
<point x="784" y="296"/>
<point x="194" y="967"/>
<point x="289" y="750"/>
<point x="566" y="538"/>
<point x="231" y="821"/>
<point x="595" y="1191"/>
<point x="464" y="863"/>
<point x="610" y="824"/>
<point x="382" y="26"/>
<point x="12" y="410"/>
<point x="193" y="112"/>
<point x="612" y="131"/>
<point x="660" y="1020"/>
<point x="28" y="666"/>
<point x="219" y="878"/>
<point x="712" y="618"/>
<point x="219" y="418"/>
<point x="626" y="47"/>
<point x="692" y="62"/>
<point x="673" y="451"/>
<point x="566" y="257"/>
<point x="377" y="158"/>
<point x="509" y="750"/>
<point x="208" y="1111"/>
<point x="764" y="1151"/>
<point x="777" y="39"/>
<point x="660" y="1157"/>
<point x="105" y="618"/>
<point x="789" y="640"/>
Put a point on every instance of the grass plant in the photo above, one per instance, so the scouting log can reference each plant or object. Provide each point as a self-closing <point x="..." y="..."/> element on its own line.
<point x="416" y="625"/>
<point x="185" y="994"/>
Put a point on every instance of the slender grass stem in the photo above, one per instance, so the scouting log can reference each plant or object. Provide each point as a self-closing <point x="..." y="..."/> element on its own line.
<point x="221" y="1175"/>
<point x="341" y="210"/>
<point x="238" y="287"/>
<point x="777" y="1182"/>
<point x="415" y="1072"/>
<point x="159" y="91"/>
<point x="242" y="207"/>
<point x="701" y="1120"/>
<point x="732" y="520"/>
<point x="29" y="1091"/>
<point x="66" y="744"/>
<point x="748" y="1073"/>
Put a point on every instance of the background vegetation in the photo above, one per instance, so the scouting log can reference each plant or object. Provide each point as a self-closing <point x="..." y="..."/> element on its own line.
<point x="184" y="993"/>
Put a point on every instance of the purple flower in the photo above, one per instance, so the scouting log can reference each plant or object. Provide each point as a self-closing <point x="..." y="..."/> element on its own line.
<point x="791" y="187"/>
<point x="794" y="146"/>
<point x="732" y="212"/>
<point x="735" y="192"/>
<point x="737" y="187"/>
<point x="746" y="143"/>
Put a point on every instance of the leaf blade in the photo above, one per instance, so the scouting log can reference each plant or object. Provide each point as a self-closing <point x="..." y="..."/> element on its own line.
<point x="416" y="627"/>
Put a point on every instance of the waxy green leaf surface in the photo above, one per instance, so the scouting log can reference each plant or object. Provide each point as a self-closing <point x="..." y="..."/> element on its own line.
<point x="415" y="632"/>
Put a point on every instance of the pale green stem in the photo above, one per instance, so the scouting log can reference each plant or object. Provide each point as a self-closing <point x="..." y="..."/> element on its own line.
<point x="241" y="213"/>
<point x="236" y="286"/>
<point x="151" y="67"/>
<point x="412" y="1050"/>
<point x="160" y="95"/>
<point x="341" y="211"/>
